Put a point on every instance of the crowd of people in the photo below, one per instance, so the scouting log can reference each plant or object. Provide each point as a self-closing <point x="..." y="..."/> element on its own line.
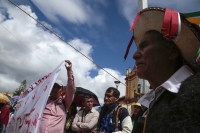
<point x="167" y="56"/>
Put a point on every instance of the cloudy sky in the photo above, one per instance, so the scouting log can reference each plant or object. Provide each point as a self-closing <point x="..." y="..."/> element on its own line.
<point x="97" y="28"/>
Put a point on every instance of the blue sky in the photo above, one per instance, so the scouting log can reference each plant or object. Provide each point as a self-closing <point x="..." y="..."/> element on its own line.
<point x="98" y="28"/>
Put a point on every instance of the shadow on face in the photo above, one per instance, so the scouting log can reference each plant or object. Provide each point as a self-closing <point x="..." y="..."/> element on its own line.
<point x="154" y="55"/>
<point x="56" y="92"/>
<point x="88" y="103"/>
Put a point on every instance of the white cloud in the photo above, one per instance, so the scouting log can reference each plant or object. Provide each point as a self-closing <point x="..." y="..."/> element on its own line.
<point x="128" y="8"/>
<point x="34" y="52"/>
<point x="77" y="11"/>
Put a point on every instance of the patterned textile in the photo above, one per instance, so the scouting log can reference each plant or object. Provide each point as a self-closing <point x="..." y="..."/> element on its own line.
<point x="107" y="124"/>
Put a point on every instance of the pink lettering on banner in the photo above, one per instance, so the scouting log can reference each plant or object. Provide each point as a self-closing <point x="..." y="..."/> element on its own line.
<point x="27" y="119"/>
<point x="36" y="119"/>
<point x="28" y="114"/>
<point x="26" y="100"/>
<point x="31" y="87"/>
<point x="19" y="104"/>
<point x="28" y="123"/>
<point x="45" y="88"/>
<point x="25" y="93"/>
<point x="34" y="95"/>
<point x="42" y="79"/>
<point x="19" y="122"/>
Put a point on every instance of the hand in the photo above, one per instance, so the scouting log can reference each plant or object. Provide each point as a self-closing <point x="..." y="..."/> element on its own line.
<point x="92" y="131"/>
<point x="78" y="124"/>
<point x="69" y="67"/>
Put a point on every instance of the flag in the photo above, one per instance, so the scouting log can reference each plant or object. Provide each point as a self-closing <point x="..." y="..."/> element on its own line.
<point x="30" y="106"/>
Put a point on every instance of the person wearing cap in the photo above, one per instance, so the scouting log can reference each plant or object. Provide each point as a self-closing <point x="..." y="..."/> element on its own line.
<point x="54" y="114"/>
<point x="168" y="56"/>
<point x="135" y="108"/>
<point x="4" y="116"/>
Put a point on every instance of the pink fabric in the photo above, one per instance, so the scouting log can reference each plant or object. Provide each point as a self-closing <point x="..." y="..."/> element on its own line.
<point x="54" y="115"/>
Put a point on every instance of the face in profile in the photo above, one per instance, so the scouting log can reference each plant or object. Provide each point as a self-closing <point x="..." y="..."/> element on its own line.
<point x="109" y="98"/>
<point x="88" y="103"/>
<point x="150" y="56"/>
<point x="56" y="91"/>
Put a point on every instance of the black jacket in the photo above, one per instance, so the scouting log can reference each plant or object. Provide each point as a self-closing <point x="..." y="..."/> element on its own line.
<point x="177" y="112"/>
<point x="139" y="122"/>
<point x="123" y="113"/>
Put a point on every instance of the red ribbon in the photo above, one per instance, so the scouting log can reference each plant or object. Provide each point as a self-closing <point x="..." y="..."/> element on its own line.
<point x="170" y="24"/>
<point x="132" y="38"/>
<point x="128" y="47"/>
<point x="135" y="21"/>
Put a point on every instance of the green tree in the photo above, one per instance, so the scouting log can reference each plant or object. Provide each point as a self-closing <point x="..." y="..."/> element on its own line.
<point x="21" y="88"/>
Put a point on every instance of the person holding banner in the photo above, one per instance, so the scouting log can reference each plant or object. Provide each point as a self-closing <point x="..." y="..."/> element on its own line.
<point x="54" y="114"/>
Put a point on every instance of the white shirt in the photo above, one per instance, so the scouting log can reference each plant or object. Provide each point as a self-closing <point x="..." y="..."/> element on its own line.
<point x="172" y="85"/>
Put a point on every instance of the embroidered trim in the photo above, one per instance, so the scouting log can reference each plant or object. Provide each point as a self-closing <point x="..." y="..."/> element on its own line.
<point x="197" y="57"/>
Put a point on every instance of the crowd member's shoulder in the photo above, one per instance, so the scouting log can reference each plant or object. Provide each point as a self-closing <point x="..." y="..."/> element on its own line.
<point x="94" y="110"/>
<point x="79" y="112"/>
<point x="123" y="113"/>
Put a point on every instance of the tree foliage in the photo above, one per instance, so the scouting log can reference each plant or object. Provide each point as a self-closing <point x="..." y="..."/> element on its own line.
<point x="21" y="88"/>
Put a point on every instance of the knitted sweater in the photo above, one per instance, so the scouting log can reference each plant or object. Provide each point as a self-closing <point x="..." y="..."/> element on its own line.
<point x="177" y="112"/>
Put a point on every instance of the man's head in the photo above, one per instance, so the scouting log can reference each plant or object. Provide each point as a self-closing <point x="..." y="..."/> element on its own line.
<point x="88" y="102"/>
<point x="57" y="90"/>
<point x="172" y="26"/>
<point x="111" y="96"/>
<point x="156" y="55"/>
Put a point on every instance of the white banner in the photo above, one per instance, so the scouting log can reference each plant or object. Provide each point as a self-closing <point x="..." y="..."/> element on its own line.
<point x="29" y="109"/>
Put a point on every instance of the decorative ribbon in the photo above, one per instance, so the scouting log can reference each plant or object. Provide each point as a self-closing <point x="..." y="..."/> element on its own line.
<point x="191" y="17"/>
<point x="197" y="57"/>
<point x="135" y="21"/>
<point x="191" y="14"/>
<point x="171" y="24"/>
<point x="128" y="47"/>
<point x="194" y="20"/>
<point x="132" y="38"/>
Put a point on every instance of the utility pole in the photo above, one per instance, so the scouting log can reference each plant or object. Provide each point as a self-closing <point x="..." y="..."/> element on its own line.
<point x="142" y="4"/>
